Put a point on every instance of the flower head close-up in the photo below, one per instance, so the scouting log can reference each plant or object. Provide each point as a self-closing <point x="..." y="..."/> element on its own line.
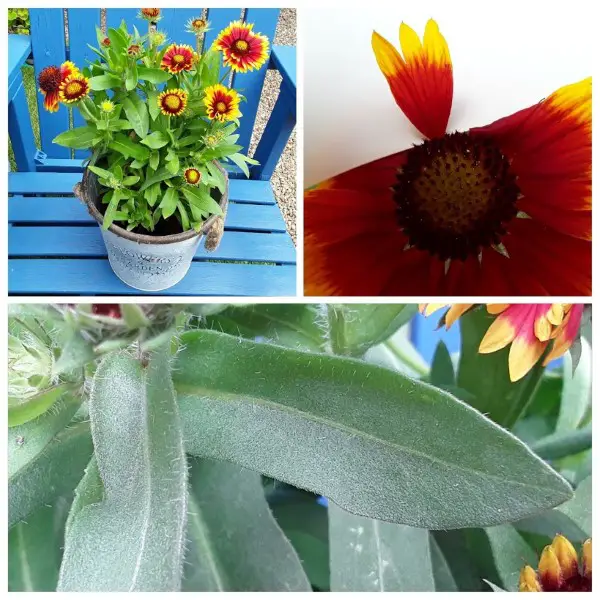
<point x="177" y="58"/>
<point x="172" y="103"/>
<point x="498" y="209"/>
<point x="50" y="81"/>
<point x="222" y="104"/>
<point x="243" y="50"/>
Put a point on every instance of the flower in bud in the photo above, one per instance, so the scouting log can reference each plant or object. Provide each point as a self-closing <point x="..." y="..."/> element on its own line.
<point x="150" y="14"/>
<point x="558" y="569"/>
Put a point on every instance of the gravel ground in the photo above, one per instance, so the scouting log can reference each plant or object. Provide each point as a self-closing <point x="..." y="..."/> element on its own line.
<point x="284" y="178"/>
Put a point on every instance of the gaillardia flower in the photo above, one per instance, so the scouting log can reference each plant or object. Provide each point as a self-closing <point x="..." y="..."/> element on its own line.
<point x="529" y="328"/>
<point x="222" y="104"/>
<point x="192" y="176"/>
<point x="559" y="569"/>
<point x="106" y="42"/>
<point x="177" y="58"/>
<point x="50" y="80"/>
<point x="503" y="209"/>
<point x="134" y="50"/>
<point x="74" y="88"/>
<point x="197" y="26"/>
<point x="150" y="14"/>
<point x="172" y="102"/>
<point x="243" y="50"/>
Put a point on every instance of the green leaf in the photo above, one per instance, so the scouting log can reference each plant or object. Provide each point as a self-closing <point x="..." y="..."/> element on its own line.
<point x="548" y="523"/>
<point x="155" y="141"/>
<point x="442" y="574"/>
<point x="151" y="194"/>
<point x="240" y="161"/>
<point x="254" y="555"/>
<point x="159" y="176"/>
<point x="153" y="75"/>
<point x="579" y="508"/>
<point x="458" y="558"/>
<point x="494" y="394"/>
<point x="131" y="80"/>
<point x="183" y="216"/>
<point x="494" y="587"/>
<point x="137" y="114"/>
<point x="31" y="408"/>
<point x="153" y="107"/>
<point x="128" y="148"/>
<point x="357" y="327"/>
<point x="577" y="389"/>
<point x="134" y="316"/>
<point x="173" y="166"/>
<point x="34" y="550"/>
<point x="510" y="552"/>
<point x="104" y="82"/>
<point x="27" y="441"/>
<point x="301" y="326"/>
<point x="78" y="138"/>
<point x="559" y="445"/>
<point x="100" y="172"/>
<point x="217" y="175"/>
<point x="76" y="351"/>
<point x="442" y="370"/>
<point x="169" y="202"/>
<point x="137" y="533"/>
<point x="111" y="210"/>
<point x="154" y="160"/>
<point x="373" y="556"/>
<point x="201" y="199"/>
<point x="282" y="408"/>
<point x="53" y="473"/>
<point x="132" y="179"/>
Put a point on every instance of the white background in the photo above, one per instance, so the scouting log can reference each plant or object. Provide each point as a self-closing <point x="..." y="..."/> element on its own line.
<point x="506" y="56"/>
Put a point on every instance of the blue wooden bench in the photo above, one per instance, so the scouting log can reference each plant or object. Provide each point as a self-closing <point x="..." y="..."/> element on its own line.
<point x="55" y="247"/>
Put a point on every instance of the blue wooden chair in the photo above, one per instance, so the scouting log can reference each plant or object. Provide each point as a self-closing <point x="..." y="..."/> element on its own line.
<point x="54" y="245"/>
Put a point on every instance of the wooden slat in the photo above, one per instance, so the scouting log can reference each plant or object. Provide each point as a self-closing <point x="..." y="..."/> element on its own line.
<point x="54" y="210"/>
<point x="114" y="16"/>
<point x="250" y="84"/>
<point x="19" y="48"/>
<point x="95" y="277"/>
<point x="86" y="242"/>
<point x="82" y="31"/>
<point x="284" y="60"/>
<point x="240" y="190"/>
<point x="48" y="44"/>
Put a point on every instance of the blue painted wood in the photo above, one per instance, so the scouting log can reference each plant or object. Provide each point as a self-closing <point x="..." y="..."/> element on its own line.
<point x="277" y="132"/>
<point x="114" y="16"/>
<point x="219" y="19"/>
<point x="283" y="58"/>
<point x="250" y="84"/>
<point x="48" y="45"/>
<point x="240" y="190"/>
<point x="19" y="48"/>
<point x="86" y="242"/>
<point x="82" y="31"/>
<point x="425" y="335"/>
<point x="173" y="22"/>
<point x="95" y="277"/>
<point x="58" y="209"/>
<point x="19" y="127"/>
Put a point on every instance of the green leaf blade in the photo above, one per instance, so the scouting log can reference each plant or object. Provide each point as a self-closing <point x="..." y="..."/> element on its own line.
<point x="243" y="409"/>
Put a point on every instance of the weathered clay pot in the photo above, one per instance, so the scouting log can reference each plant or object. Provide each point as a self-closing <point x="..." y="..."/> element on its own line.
<point x="147" y="262"/>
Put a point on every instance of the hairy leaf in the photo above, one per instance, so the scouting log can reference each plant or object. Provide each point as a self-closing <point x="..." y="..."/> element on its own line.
<point x="579" y="508"/>
<point x="374" y="441"/>
<point x="373" y="556"/>
<point x="577" y="389"/>
<point x="136" y="535"/>
<point x="234" y="542"/>
<point x="22" y="411"/>
<point x="442" y="574"/>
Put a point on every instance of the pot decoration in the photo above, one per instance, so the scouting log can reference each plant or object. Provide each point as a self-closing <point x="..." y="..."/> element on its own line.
<point x="161" y="127"/>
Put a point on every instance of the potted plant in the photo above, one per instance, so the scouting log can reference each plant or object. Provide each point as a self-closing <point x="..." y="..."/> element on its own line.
<point x="161" y="127"/>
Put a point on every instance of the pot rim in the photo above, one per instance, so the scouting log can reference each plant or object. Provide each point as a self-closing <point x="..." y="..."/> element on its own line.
<point x="141" y="238"/>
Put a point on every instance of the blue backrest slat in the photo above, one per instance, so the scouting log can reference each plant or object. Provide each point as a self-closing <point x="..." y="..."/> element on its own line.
<point x="82" y="31"/>
<point x="48" y="46"/>
<point x="114" y="16"/>
<point x="173" y="23"/>
<point x="250" y="84"/>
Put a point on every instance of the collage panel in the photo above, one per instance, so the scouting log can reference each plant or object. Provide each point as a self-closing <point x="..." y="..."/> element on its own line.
<point x="451" y="153"/>
<point x="152" y="151"/>
<point x="299" y="447"/>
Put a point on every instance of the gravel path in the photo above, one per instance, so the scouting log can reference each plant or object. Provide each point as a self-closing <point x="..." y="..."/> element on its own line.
<point x="284" y="178"/>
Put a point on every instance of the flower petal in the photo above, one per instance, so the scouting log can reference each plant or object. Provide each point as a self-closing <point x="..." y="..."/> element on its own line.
<point x="422" y="82"/>
<point x="566" y="333"/>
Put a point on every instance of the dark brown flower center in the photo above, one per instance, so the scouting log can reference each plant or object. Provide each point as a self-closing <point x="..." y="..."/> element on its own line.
<point x="454" y="196"/>
<point x="50" y="79"/>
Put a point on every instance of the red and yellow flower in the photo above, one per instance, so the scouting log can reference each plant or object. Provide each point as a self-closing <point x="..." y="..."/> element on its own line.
<point x="559" y="570"/>
<point x="243" y="50"/>
<point x="172" y="102"/>
<point x="150" y="14"/>
<point x="529" y="328"/>
<point x="177" y="58"/>
<point x="503" y="209"/>
<point x="192" y="176"/>
<point x="50" y="80"/>
<point x="74" y="88"/>
<point x="222" y="104"/>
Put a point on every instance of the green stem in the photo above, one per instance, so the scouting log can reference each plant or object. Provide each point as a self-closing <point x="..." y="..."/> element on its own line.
<point x="559" y="445"/>
<point x="404" y="358"/>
